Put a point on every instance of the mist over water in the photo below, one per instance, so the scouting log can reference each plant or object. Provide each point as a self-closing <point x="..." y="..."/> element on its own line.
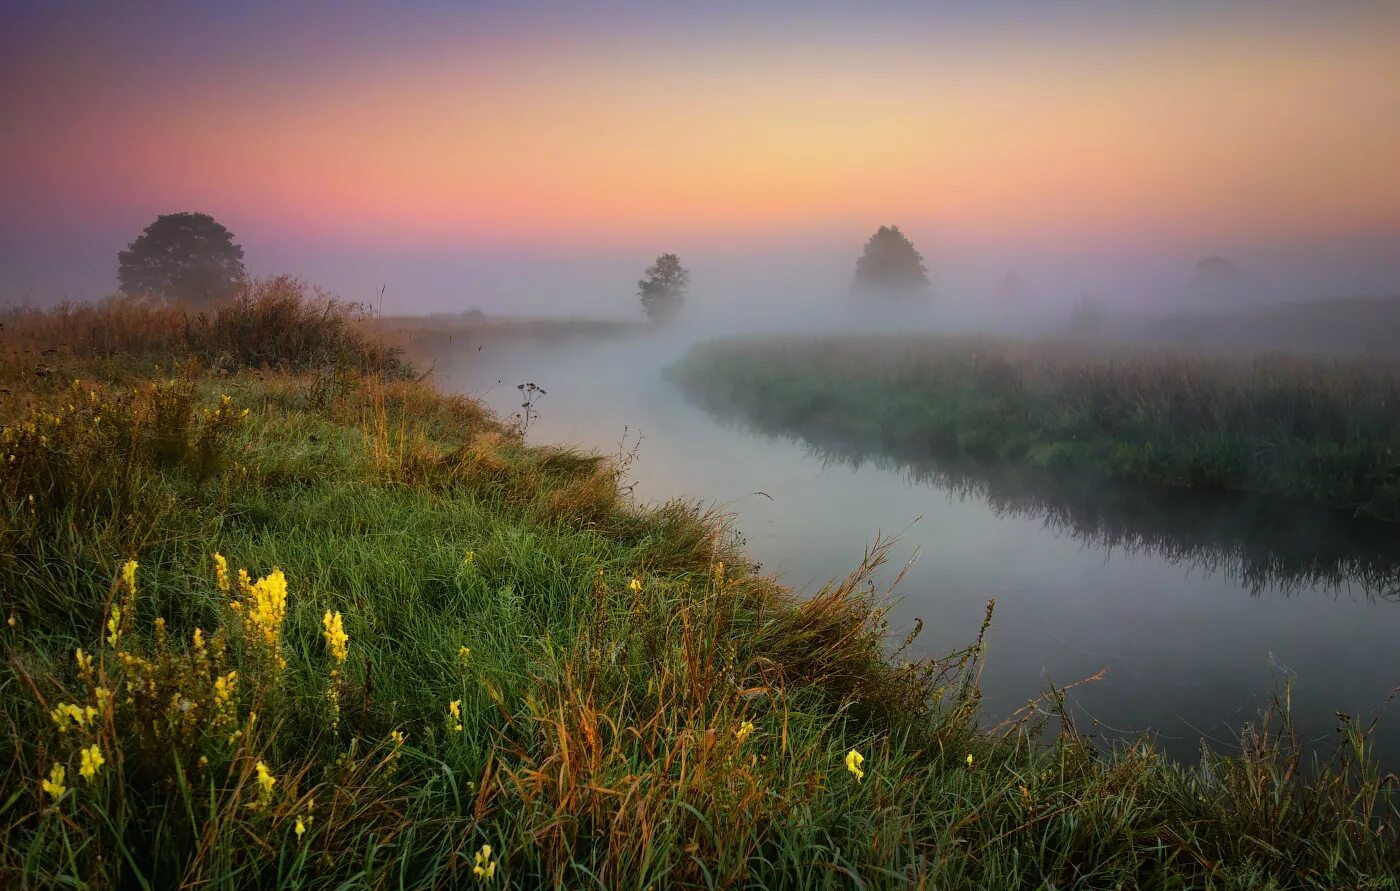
<point x="1196" y="613"/>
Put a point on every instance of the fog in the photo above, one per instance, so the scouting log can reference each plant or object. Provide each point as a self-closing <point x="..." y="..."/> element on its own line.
<point x="766" y="285"/>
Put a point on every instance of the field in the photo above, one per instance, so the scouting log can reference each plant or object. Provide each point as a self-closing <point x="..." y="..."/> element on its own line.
<point x="1312" y="429"/>
<point x="279" y="614"/>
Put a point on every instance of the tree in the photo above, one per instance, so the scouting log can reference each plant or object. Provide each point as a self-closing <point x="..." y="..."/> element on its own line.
<point x="1011" y="289"/>
<point x="1216" y="278"/>
<point x="664" y="288"/>
<point x="891" y="264"/>
<point x="187" y="257"/>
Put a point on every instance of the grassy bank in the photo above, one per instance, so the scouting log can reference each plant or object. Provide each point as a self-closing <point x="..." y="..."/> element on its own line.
<point x="459" y="659"/>
<point x="1316" y="430"/>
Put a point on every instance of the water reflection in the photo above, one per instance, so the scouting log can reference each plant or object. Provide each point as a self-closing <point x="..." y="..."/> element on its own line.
<point x="1262" y="545"/>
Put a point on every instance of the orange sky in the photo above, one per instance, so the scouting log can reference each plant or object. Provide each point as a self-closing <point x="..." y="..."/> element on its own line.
<point x="1228" y="130"/>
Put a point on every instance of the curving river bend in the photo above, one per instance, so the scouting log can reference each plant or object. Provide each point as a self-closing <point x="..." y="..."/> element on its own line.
<point x="1196" y="613"/>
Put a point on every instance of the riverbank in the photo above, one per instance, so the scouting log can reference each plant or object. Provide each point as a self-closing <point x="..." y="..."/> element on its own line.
<point x="601" y="692"/>
<point x="1305" y="429"/>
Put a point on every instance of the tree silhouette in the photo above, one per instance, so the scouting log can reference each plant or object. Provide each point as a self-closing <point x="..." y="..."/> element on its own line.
<point x="1216" y="278"/>
<point x="1011" y="289"/>
<point x="663" y="290"/>
<point x="186" y="257"/>
<point x="891" y="264"/>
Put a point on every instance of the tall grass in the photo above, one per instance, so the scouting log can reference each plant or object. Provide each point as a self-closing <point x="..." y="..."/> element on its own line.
<point x="603" y="693"/>
<point x="1319" y="430"/>
<point x="279" y="323"/>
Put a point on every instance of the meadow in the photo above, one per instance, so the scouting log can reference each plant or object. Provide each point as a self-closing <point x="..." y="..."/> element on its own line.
<point x="277" y="613"/>
<point x="1313" y="429"/>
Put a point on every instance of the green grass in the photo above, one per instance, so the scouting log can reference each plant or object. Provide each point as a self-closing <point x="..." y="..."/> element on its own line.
<point x="1316" y="430"/>
<point x="604" y="736"/>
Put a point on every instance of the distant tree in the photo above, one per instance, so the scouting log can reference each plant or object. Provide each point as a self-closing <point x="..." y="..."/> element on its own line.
<point x="1216" y="278"/>
<point x="1088" y="314"/>
<point x="891" y="264"/>
<point x="664" y="288"/>
<point x="1011" y="289"/>
<point x="185" y="257"/>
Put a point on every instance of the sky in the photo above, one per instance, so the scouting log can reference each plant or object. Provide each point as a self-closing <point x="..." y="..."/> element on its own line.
<point x="532" y="156"/>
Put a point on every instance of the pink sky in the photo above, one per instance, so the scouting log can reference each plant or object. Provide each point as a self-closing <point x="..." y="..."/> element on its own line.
<point x="533" y="133"/>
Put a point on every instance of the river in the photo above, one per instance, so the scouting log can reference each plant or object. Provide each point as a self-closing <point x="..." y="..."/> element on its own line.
<point x="1194" y="621"/>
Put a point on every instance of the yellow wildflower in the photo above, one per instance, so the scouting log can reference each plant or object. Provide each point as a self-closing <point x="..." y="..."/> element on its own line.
<point x="92" y="762"/>
<point x="265" y="783"/>
<point x="854" y="760"/>
<point x="54" y="784"/>
<point x="397" y="737"/>
<point x="485" y="867"/>
<point x="464" y="653"/>
<point x="84" y="663"/>
<point x="635" y="585"/>
<point x="220" y="572"/>
<point x="744" y="730"/>
<point x="198" y="639"/>
<point x="114" y="625"/>
<point x="337" y="641"/>
<point x="454" y="708"/>
<point x="969" y="759"/>
<point x="12" y="621"/>
<point x="470" y="558"/>
<point x="79" y="716"/>
<point x="129" y="577"/>
<point x="301" y="827"/>
<point x="102" y="696"/>
<point x="224" y="687"/>
<point x="265" y="609"/>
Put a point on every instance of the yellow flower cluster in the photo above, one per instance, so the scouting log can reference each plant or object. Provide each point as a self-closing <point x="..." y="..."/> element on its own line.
<point x="267" y="605"/>
<point x="854" y="760"/>
<point x="484" y="868"/>
<point x="114" y="625"/>
<point x="225" y="686"/>
<point x="129" y="578"/>
<point x="265" y="783"/>
<point x="54" y="785"/>
<point x="123" y="610"/>
<point x="263" y="606"/>
<point x="92" y="762"/>
<point x="337" y="641"/>
<point x="743" y="732"/>
<point x="70" y="716"/>
<point x="221" y="572"/>
<point x="84" y="664"/>
<point x="454" y="711"/>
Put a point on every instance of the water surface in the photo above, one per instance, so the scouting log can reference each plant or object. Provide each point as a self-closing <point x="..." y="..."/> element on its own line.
<point x="1196" y="611"/>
